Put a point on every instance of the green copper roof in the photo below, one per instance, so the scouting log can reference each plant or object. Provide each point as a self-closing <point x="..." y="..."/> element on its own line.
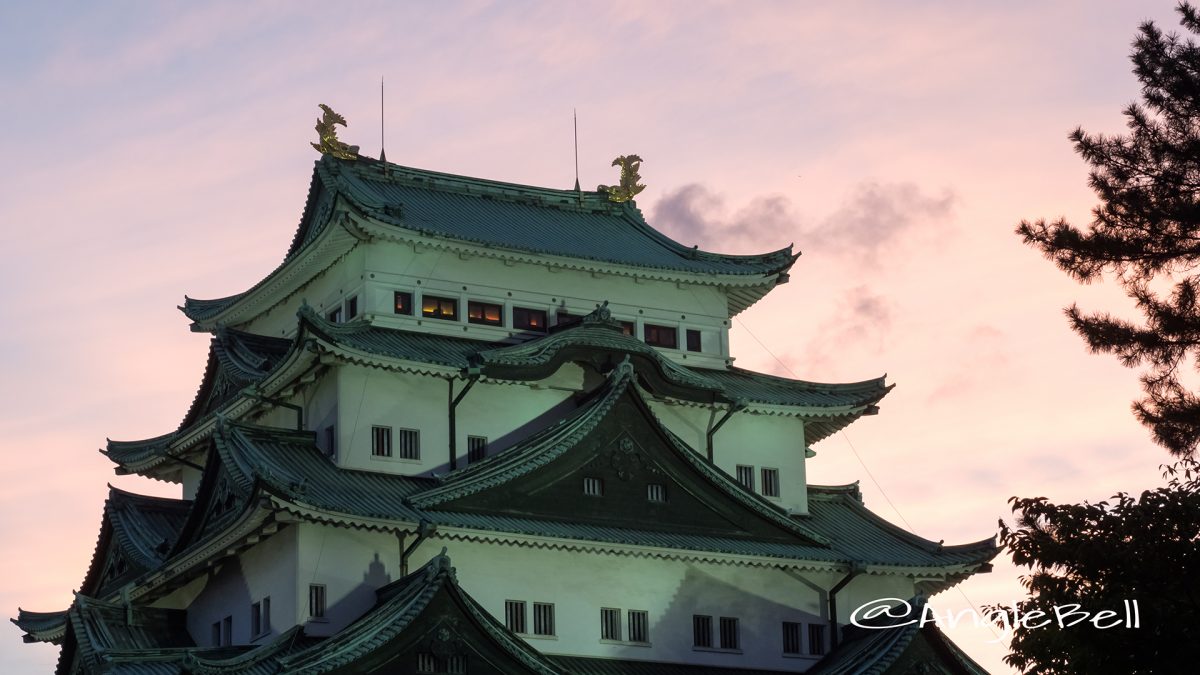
<point x="538" y="220"/>
<point x="583" y="665"/>
<point x="41" y="626"/>
<point x="136" y="535"/>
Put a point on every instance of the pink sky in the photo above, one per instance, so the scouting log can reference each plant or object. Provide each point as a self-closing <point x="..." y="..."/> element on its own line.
<point x="157" y="151"/>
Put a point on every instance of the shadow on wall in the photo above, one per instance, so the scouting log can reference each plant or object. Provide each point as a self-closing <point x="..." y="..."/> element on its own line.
<point x="360" y="598"/>
<point x="226" y="594"/>
<point x="759" y="618"/>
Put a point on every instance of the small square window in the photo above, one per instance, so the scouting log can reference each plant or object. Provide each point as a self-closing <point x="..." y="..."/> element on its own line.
<point x="610" y="623"/>
<point x="381" y="441"/>
<point x="745" y="476"/>
<point x="661" y="336"/>
<point x="433" y="307"/>
<point x="639" y="626"/>
<point x="627" y="327"/>
<point x="593" y="487"/>
<point x="485" y="313"/>
<point x="408" y="444"/>
<point x="770" y="482"/>
<point x="656" y="492"/>
<point x="316" y="601"/>
<point x="791" y="637"/>
<point x="729" y="633"/>
<point x="701" y="630"/>
<point x="543" y="618"/>
<point x="351" y="307"/>
<point x="529" y="319"/>
<point x="403" y="302"/>
<point x="693" y="340"/>
<point x="476" y="448"/>
<point x="514" y="615"/>
<point x="816" y="639"/>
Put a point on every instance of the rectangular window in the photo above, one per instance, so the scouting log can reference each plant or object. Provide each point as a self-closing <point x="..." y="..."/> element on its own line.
<point x="693" y="340"/>
<point x="351" y="307"/>
<point x="791" y="637"/>
<point x="403" y="302"/>
<point x="316" y="601"/>
<point x="476" y="448"/>
<point x="610" y="623"/>
<point x="816" y="639"/>
<point x="660" y="336"/>
<point x="227" y="631"/>
<point x="745" y="476"/>
<point x="514" y="615"/>
<point x="729" y="633"/>
<point x="627" y="328"/>
<point x="456" y="664"/>
<point x="255" y="619"/>
<point x="334" y="315"/>
<point x="543" y="618"/>
<point x="593" y="487"/>
<point x="408" y="444"/>
<point x="485" y="313"/>
<point x="216" y="634"/>
<point x="639" y="626"/>
<point x="331" y="441"/>
<point x="266" y="615"/>
<point x="701" y="630"/>
<point x="770" y="482"/>
<point x="564" y="318"/>
<point x="433" y="307"/>
<point x="381" y="441"/>
<point x="529" y="319"/>
<point x="426" y="663"/>
<point x="656" y="492"/>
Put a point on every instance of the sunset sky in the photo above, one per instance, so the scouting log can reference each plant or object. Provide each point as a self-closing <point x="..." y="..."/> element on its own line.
<point x="156" y="150"/>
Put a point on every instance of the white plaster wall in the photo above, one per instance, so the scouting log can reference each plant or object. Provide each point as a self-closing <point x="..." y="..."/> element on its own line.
<point x="502" y="412"/>
<point x="323" y="292"/>
<point x="267" y="569"/>
<point x="351" y="564"/>
<point x="761" y="441"/>
<point x="580" y="584"/>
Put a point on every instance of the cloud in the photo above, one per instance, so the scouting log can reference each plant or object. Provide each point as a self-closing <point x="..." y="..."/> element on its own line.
<point x="863" y="321"/>
<point x="876" y="216"/>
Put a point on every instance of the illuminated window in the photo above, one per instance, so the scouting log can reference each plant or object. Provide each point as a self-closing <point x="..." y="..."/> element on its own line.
<point x="661" y="336"/>
<point x="433" y="307"/>
<point x="403" y="302"/>
<point x="529" y="319"/>
<point x="485" y="313"/>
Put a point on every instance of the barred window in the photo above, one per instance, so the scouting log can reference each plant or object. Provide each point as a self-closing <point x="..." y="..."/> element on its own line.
<point x="351" y="307"/>
<point x="701" y="630"/>
<point x="456" y="664"/>
<point x="408" y="444"/>
<point x="514" y="615"/>
<point x="745" y="476"/>
<point x="593" y="487"/>
<point x="610" y="623"/>
<point x="639" y="626"/>
<point x="381" y="441"/>
<point x="543" y="618"/>
<point x="729" y="633"/>
<point x="476" y="448"/>
<point x="791" y="637"/>
<point x="316" y="601"/>
<point x="816" y="639"/>
<point x="770" y="482"/>
<point x="426" y="663"/>
<point x="486" y="313"/>
<point x="656" y="492"/>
